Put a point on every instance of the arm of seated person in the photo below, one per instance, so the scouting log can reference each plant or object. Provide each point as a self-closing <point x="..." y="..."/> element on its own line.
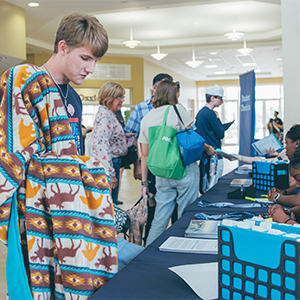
<point x="288" y="200"/>
<point x="278" y="214"/>
<point x="289" y="191"/>
<point x="272" y="152"/>
<point x="247" y="159"/>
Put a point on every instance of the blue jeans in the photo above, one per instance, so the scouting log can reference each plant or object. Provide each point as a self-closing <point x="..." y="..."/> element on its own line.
<point x="168" y="193"/>
<point x="126" y="252"/>
<point x="117" y="166"/>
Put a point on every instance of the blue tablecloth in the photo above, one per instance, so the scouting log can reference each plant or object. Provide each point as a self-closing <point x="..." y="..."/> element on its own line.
<point x="148" y="276"/>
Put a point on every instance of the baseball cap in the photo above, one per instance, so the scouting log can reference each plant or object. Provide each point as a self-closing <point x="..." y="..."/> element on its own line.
<point x="215" y="90"/>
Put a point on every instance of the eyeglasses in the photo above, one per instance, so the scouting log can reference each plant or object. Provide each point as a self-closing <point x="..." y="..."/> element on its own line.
<point x="121" y="98"/>
<point x="218" y="97"/>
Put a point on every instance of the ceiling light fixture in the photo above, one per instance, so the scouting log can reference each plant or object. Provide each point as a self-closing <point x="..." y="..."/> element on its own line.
<point x="158" y="55"/>
<point x="33" y="4"/>
<point x="194" y="63"/>
<point x="234" y="35"/>
<point x="245" y="50"/>
<point x="131" y="43"/>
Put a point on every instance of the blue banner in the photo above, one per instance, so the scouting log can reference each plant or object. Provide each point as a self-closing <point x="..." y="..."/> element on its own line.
<point x="247" y="113"/>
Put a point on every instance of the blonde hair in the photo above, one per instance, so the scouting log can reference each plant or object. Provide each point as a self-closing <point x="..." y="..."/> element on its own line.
<point x="165" y="93"/>
<point x="79" y="30"/>
<point x="109" y="92"/>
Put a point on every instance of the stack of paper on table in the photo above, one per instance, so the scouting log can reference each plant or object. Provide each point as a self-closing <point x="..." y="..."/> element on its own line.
<point x="244" y="169"/>
<point x="237" y="182"/>
<point x="189" y="245"/>
<point x="203" y="229"/>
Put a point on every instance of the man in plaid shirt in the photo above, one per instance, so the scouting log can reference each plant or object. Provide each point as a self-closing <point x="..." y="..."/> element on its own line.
<point x="141" y="109"/>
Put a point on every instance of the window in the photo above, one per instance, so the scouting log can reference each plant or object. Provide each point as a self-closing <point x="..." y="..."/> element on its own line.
<point x="269" y="97"/>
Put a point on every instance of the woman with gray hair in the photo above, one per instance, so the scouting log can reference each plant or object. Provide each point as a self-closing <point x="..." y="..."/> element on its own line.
<point x="108" y="137"/>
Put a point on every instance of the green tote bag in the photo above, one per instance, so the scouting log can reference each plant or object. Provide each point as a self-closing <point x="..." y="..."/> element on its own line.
<point x="164" y="157"/>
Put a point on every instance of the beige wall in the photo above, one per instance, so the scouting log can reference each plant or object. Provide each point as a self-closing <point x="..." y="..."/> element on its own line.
<point x="13" y="33"/>
<point x="137" y="73"/>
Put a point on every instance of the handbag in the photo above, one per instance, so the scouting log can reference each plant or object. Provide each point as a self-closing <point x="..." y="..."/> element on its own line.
<point x="122" y="220"/>
<point x="131" y="156"/>
<point x="191" y="144"/>
<point x="164" y="158"/>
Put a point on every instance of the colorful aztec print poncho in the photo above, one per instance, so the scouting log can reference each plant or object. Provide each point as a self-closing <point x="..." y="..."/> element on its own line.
<point x="56" y="213"/>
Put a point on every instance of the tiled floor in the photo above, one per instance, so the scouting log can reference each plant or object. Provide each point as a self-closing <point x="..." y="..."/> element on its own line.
<point x="129" y="193"/>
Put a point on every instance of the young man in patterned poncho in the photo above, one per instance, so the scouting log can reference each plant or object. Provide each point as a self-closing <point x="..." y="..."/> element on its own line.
<point x="54" y="201"/>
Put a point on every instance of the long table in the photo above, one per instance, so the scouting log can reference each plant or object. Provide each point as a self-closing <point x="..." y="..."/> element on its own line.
<point x="148" y="277"/>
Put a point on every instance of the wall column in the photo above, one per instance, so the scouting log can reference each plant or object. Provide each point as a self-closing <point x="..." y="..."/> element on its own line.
<point x="290" y="18"/>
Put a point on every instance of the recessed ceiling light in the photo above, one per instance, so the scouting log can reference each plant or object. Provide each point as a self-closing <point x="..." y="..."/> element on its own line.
<point x="257" y="71"/>
<point x="215" y="59"/>
<point x="213" y="53"/>
<point x="33" y="4"/>
<point x="279" y="58"/>
<point x="210" y="66"/>
<point x="249" y="64"/>
<point x="220" y="72"/>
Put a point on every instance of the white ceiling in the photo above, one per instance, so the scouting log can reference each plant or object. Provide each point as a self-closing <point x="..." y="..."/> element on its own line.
<point x="176" y="25"/>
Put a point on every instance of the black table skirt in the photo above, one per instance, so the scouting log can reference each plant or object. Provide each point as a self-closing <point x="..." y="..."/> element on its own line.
<point x="148" y="277"/>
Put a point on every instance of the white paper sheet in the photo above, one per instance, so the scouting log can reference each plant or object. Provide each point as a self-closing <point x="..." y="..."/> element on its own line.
<point x="202" y="278"/>
<point x="189" y="245"/>
<point x="270" y="141"/>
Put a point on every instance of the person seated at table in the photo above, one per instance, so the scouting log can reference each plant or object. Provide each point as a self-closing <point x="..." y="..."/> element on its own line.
<point x="278" y="212"/>
<point x="169" y="191"/>
<point x="282" y="197"/>
<point x="292" y="141"/>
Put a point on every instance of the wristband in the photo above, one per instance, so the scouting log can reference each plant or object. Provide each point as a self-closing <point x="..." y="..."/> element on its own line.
<point x="144" y="183"/>
<point x="285" y="192"/>
<point x="289" y="219"/>
<point x="275" y="198"/>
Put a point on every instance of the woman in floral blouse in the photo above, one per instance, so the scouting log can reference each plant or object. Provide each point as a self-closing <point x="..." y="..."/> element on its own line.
<point x="109" y="140"/>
